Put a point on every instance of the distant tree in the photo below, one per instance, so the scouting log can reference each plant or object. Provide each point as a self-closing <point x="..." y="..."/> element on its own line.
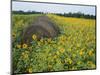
<point x="70" y="14"/>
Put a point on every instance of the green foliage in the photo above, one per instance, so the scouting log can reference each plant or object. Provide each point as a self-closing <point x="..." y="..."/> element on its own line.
<point x="73" y="49"/>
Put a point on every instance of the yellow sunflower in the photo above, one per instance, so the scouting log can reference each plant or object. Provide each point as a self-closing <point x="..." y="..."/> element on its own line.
<point x="30" y="70"/>
<point x="90" y="53"/>
<point x="62" y="50"/>
<point x="24" y="46"/>
<point x="18" y="46"/>
<point x="34" y="37"/>
<point x="81" y="52"/>
<point x="24" y="55"/>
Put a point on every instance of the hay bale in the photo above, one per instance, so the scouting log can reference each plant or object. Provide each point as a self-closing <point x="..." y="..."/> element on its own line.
<point x="42" y="28"/>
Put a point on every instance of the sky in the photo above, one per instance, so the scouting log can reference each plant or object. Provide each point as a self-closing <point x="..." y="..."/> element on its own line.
<point x="52" y="8"/>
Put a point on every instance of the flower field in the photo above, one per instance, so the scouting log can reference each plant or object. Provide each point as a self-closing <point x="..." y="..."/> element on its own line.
<point x="73" y="49"/>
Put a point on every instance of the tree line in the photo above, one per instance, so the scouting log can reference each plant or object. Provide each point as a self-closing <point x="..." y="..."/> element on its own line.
<point x="77" y="14"/>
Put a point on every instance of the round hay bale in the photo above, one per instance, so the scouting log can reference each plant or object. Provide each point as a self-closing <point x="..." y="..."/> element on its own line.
<point x="42" y="28"/>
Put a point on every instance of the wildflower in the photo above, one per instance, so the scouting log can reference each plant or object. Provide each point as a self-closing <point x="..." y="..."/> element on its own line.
<point x="81" y="53"/>
<point x="90" y="53"/>
<point x="18" y="46"/>
<point x="89" y="62"/>
<point x="30" y="70"/>
<point x="34" y="37"/>
<point x="24" y="55"/>
<point x="24" y="45"/>
<point x="62" y="50"/>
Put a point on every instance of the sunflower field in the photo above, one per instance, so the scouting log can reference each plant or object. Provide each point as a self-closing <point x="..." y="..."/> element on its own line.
<point x="73" y="49"/>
